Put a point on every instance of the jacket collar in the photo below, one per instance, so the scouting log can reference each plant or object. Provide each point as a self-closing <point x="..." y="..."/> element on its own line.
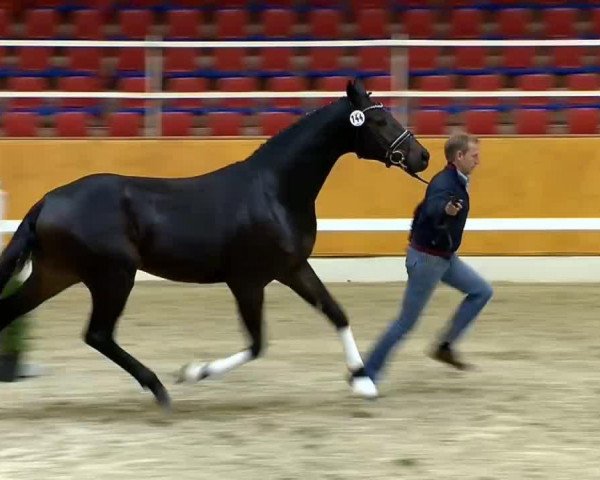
<point x="461" y="176"/>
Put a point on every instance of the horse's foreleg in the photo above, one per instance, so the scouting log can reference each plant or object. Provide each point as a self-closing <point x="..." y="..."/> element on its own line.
<point x="306" y="284"/>
<point x="250" y="303"/>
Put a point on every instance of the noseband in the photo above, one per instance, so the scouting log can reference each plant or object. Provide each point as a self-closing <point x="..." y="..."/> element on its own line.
<point x="394" y="148"/>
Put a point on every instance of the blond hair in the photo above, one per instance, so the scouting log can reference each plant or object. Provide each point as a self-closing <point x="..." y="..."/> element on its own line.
<point x="458" y="142"/>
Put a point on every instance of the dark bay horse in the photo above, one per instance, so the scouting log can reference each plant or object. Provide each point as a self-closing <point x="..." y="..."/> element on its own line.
<point x="246" y="225"/>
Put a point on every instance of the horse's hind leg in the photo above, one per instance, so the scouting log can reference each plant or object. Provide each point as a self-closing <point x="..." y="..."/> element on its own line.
<point x="306" y="284"/>
<point x="110" y="287"/>
<point x="41" y="285"/>
<point x="249" y="301"/>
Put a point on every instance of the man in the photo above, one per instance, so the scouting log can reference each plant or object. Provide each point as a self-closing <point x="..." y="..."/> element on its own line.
<point x="436" y="235"/>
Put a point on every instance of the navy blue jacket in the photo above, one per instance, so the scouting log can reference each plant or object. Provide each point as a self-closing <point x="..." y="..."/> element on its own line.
<point x="433" y="230"/>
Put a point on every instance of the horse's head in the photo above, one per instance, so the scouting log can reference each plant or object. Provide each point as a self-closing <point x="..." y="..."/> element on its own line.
<point x="380" y="136"/>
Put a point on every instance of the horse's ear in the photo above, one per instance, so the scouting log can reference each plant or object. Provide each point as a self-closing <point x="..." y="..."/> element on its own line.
<point x="353" y="92"/>
<point x="360" y="87"/>
<point x="356" y="92"/>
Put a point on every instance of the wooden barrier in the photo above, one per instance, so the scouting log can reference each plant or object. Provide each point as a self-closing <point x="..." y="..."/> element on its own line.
<point x="518" y="177"/>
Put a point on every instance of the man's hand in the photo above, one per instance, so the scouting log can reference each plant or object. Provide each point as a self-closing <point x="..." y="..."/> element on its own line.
<point x="453" y="207"/>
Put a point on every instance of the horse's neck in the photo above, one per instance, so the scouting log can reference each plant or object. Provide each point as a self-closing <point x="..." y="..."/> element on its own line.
<point x="305" y="156"/>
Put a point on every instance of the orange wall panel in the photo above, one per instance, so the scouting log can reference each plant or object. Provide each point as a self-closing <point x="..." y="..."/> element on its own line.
<point x="518" y="177"/>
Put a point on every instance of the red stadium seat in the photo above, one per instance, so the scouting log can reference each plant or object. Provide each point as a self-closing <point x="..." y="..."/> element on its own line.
<point x="144" y="3"/>
<point x="324" y="24"/>
<point x="131" y="61"/>
<point x="87" y="24"/>
<point x="71" y="124"/>
<point x="132" y="84"/>
<point x="374" y="60"/>
<point x="271" y="123"/>
<point x="567" y="57"/>
<point x="429" y="122"/>
<point x="333" y="84"/>
<point x="46" y="3"/>
<point x="514" y="22"/>
<point x="135" y="24"/>
<point x="5" y="28"/>
<point x="124" y="124"/>
<point x="225" y="124"/>
<point x="229" y="60"/>
<point x="531" y="121"/>
<point x="381" y="84"/>
<point x="286" y="84"/>
<point x="484" y="83"/>
<point x="34" y="59"/>
<point x="40" y="23"/>
<point x="180" y="61"/>
<point x="583" y="81"/>
<point x="324" y="60"/>
<point x="231" y="23"/>
<point x="583" y="121"/>
<point x="466" y="23"/>
<point x="559" y="22"/>
<point x="278" y="23"/>
<point x="20" y="124"/>
<point x="330" y="84"/>
<point x="187" y="84"/>
<point x="536" y="81"/>
<point x="26" y="84"/>
<point x="84" y="60"/>
<point x="433" y="84"/>
<point x="419" y="23"/>
<point x="372" y="23"/>
<point x="470" y="58"/>
<point x="482" y="122"/>
<point x="79" y="84"/>
<point x="517" y="57"/>
<point x="421" y="59"/>
<point x="276" y="60"/>
<point x="237" y="84"/>
<point x="176" y="124"/>
<point x="594" y="17"/>
<point x="183" y="24"/>
<point x="357" y="5"/>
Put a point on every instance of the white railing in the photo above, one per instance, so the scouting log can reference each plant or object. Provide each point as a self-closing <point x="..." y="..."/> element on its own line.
<point x="382" y="225"/>
<point x="395" y="42"/>
<point x="301" y="94"/>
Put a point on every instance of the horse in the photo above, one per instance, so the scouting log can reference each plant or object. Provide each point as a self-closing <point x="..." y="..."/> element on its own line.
<point x="245" y="225"/>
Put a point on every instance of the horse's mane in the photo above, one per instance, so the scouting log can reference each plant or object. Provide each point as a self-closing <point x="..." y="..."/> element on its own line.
<point x="305" y="123"/>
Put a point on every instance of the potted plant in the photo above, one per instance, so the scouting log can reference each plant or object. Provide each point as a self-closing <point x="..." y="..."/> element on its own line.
<point x="12" y="339"/>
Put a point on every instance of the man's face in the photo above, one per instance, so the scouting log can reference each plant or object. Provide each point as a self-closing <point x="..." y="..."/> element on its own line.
<point x="467" y="161"/>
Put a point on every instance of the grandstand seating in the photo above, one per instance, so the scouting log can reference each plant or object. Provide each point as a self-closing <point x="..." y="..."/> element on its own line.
<point x="290" y="69"/>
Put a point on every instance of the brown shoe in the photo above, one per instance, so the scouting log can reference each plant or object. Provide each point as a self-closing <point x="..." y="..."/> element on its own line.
<point x="443" y="353"/>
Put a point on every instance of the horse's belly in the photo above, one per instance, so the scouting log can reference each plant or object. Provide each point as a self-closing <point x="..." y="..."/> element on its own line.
<point x="183" y="259"/>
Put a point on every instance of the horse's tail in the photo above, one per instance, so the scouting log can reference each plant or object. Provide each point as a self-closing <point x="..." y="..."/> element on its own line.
<point x="17" y="251"/>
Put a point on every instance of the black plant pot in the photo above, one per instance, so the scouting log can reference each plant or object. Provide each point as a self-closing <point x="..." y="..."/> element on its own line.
<point x="9" y="367"/>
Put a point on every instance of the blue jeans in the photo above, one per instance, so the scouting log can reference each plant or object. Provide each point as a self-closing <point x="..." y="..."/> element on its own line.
<point x="424" y="274"/>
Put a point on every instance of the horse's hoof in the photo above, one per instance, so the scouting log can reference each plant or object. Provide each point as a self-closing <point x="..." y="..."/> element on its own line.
<point x="192" y="372"/>
<point x="364" y="387"/>
<point x="162" y="398"/>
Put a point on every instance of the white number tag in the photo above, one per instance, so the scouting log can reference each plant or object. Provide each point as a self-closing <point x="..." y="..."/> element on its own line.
<point x="357" y="118"/>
